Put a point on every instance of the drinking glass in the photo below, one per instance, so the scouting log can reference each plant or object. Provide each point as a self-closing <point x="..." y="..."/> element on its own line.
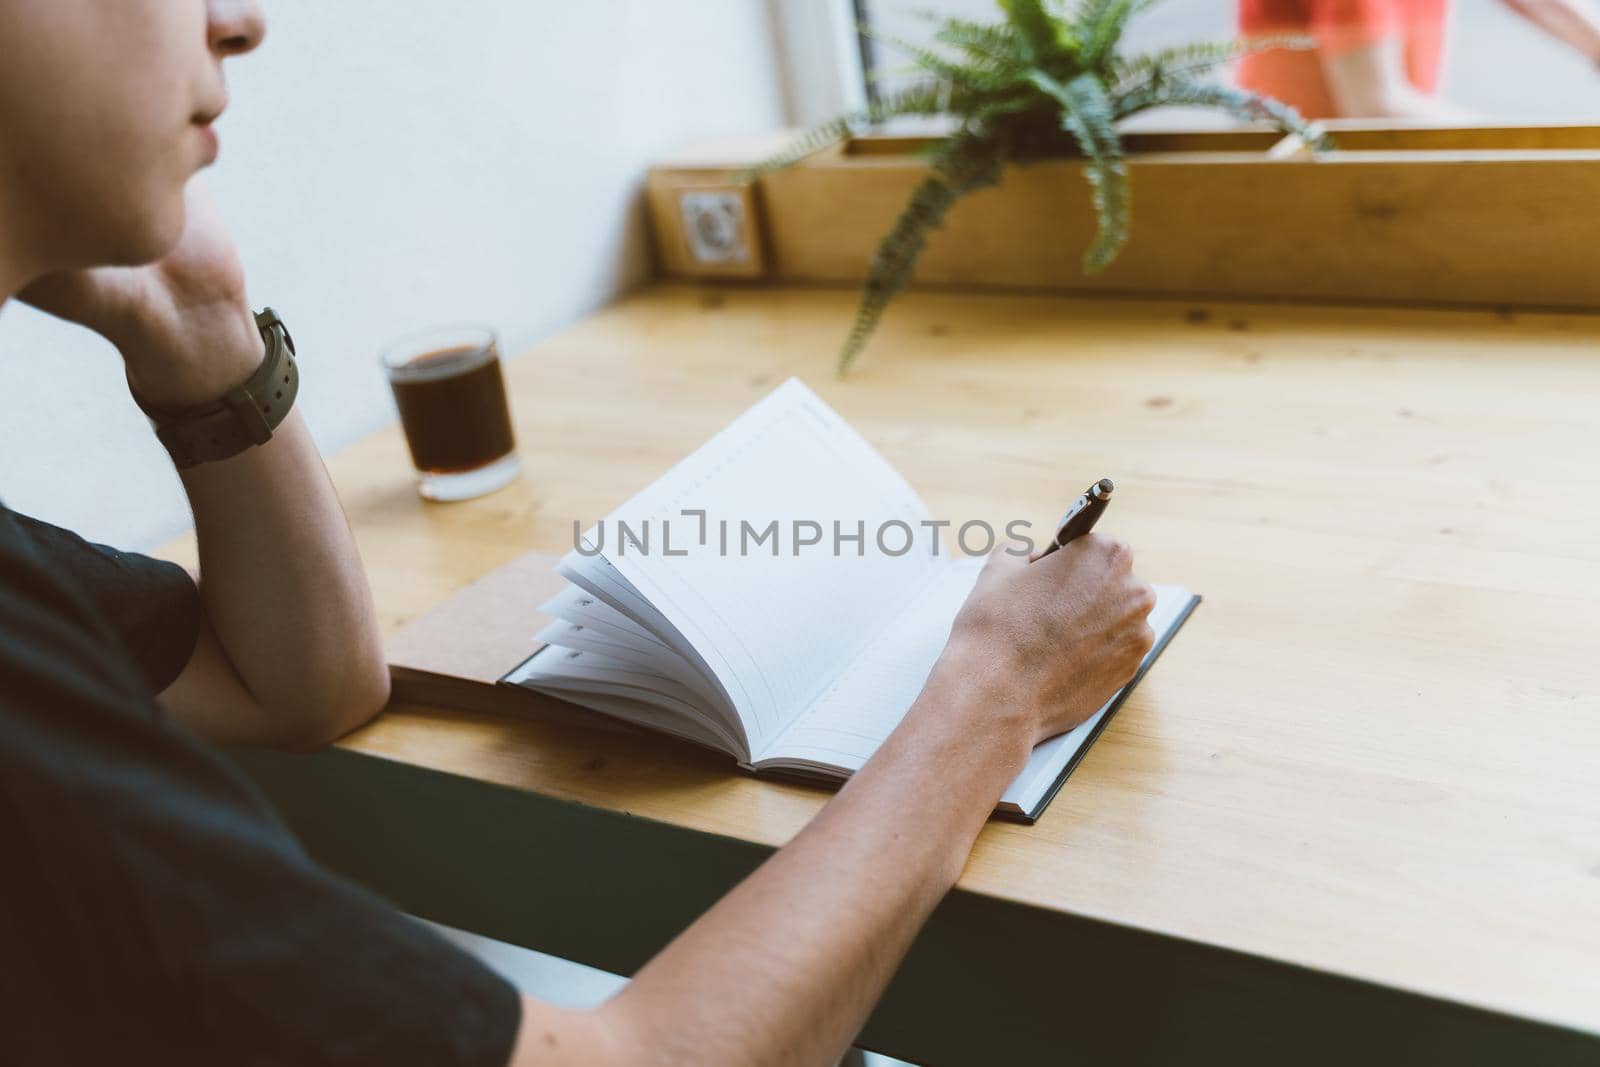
<point x="451" y="394"/>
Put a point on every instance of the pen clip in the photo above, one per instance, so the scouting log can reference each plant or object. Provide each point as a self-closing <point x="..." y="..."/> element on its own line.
<point x="1077" y="506"/>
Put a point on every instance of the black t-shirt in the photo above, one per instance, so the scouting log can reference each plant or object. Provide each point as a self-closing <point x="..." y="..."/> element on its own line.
<point x="152" y="909"/>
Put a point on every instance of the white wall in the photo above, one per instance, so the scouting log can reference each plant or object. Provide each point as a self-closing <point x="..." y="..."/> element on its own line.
<point x="384" y="171"/>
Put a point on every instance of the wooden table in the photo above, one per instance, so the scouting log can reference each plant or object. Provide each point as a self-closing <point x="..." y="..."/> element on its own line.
<point x="1353" y="812"/>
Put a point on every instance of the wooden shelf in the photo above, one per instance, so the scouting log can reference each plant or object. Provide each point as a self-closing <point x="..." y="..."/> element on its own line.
<point x="1497" y="216"/>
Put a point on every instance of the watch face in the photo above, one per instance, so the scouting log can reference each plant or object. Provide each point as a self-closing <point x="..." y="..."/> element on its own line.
<point x="714" y="224"/>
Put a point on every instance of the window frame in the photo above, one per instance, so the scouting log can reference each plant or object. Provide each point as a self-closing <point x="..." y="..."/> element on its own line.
<point x="821" y="57"/>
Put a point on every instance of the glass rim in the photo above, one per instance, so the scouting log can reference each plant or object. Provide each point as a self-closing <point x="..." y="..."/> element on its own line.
<point x="481" y="344"/>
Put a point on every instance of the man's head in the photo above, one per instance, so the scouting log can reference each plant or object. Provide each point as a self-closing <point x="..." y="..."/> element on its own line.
<point x="105" y="108"/>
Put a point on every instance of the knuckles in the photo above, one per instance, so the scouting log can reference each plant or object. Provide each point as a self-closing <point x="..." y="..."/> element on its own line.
<point x="1137" y="641"/>
<point x="1118" y="553"/>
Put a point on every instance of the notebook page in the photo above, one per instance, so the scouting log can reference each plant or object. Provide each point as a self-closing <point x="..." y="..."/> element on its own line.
<point x="653" y="659"/>
<point x="868" y="700"/>
<point x="590" y="616"/>
<point x="595" y="577"/>
<point x="578" y="606"/>
<point x="558" y="670"/>
<point x="773" y="620"/>
<point x="569" y="634"/>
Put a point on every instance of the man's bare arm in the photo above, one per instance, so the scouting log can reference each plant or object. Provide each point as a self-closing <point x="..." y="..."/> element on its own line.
<point x="786" y="968"/>
<point x="289" y="652"/>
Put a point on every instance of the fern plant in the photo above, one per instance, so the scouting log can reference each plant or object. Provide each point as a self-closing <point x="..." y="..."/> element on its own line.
<point x="1046" y="79"/>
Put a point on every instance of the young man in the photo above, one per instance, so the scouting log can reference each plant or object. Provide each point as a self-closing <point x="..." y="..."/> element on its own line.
<point x="1379" y="58"/>
<point x="152" y="911"/>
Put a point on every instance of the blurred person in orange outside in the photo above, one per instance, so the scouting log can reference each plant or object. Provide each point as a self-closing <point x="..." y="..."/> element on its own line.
<point x="1379" y="58"/>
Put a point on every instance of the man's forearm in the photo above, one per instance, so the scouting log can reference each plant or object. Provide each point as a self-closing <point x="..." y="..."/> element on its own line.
<point x="281" y="581"/>
<point x="786" y="968"/>
<point x="284" y="589"/>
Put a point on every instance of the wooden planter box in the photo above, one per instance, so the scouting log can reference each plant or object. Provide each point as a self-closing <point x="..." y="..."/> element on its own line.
<point x="1503" y="216"/>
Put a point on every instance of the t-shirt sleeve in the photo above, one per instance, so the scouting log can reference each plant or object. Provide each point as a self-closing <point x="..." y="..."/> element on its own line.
<point x="151" y="605"/>
<point x="153" y="909"/>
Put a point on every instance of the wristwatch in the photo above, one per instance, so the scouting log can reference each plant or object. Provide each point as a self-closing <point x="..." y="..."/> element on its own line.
<point x="245" y="416"/>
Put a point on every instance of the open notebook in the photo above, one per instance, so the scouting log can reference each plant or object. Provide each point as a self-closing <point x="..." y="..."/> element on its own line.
<point x="713" y="618"/>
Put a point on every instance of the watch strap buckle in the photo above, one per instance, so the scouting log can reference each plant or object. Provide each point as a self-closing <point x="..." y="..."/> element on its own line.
<point x="267" y="319"/>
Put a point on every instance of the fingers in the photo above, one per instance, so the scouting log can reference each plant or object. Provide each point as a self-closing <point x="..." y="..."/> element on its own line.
<point x="1092" y="554"/>
<point x="1134" y="644"/>
<point x="1093" y="562"/>
<point x="1143" y="598"/>
<point x="1002" y="560"/>
<point x="1114" y="551"/>
<point x="1097" y="550"/>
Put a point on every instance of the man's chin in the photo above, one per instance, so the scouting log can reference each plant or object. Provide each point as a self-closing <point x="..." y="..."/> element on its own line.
<point x="158" y="235"/>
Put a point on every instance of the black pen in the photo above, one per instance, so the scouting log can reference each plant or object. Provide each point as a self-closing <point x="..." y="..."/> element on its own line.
<point x="1082" y="515"/>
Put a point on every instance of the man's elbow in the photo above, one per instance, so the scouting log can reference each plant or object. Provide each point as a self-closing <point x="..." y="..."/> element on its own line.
<point x="369" y="693"/>
<point x="320" y="718"/>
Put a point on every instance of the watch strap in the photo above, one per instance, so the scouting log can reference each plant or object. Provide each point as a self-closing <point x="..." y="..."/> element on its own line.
<point x="244" y="416"/>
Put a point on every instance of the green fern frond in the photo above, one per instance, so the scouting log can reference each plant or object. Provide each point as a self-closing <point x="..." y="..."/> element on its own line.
<point x="1087" y="114"/>
<point x="1099" y="25"/>
<point x="988" y="115"/>
<point x="1241" y="103"/>
<point x="925" y="98"/>
<point x="1044" y="39"/>
<point x="983" y="43"/>
<point x="977" y="79"/>
<point x="1194" y="60"/>
<point x="965" y="163"/>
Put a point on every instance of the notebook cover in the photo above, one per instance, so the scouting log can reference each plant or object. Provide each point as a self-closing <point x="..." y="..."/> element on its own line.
<point x="454" y="654"/>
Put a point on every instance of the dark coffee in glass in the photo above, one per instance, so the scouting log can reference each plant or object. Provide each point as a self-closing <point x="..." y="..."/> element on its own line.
<point x="451" y="395"/>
